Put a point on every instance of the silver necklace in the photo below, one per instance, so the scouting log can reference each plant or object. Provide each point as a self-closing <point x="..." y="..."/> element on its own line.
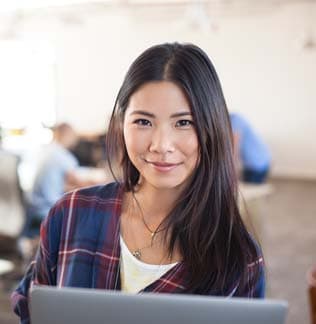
<point x="138" y="252"/>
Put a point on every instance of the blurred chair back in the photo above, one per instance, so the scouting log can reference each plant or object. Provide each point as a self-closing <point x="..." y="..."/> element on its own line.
<point x="311" y="280"/>
<point x="12" y="209"/>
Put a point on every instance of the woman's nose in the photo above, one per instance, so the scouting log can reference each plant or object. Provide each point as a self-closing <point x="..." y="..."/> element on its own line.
<point x="162" y="141"/>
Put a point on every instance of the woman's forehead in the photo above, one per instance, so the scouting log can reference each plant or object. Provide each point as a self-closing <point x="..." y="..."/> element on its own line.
<point x="159" y="97"/>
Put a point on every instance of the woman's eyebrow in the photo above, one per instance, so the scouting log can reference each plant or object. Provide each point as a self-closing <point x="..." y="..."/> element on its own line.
<point x="142" y="112"/>
<point x="180" y="114"/>
<point x="148" y="114"/>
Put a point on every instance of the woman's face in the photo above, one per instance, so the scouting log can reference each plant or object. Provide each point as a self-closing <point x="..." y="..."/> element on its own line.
<point x="160" y="136"/>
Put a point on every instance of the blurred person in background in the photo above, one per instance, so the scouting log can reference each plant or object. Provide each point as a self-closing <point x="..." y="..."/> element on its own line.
<point x="252" y="154"/>
<point x="57" y="173"/>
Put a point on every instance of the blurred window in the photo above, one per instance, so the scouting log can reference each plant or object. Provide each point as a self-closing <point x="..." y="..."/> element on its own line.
<point x="28" y="97"/>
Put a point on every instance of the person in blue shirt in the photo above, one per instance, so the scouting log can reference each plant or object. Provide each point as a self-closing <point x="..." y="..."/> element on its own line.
<point x="252" y="154"/>
<point x="55" y="175"/>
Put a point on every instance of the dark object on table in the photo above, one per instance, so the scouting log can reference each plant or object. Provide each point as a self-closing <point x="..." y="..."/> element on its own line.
<point x="90" y="152"/>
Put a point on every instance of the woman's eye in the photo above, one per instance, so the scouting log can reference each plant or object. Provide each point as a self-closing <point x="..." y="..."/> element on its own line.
<point x="184" y="123"/>
<point x="142" y="122"/>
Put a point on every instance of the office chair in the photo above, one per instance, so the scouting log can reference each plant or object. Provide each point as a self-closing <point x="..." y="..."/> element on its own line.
<point x="12" y="207"/>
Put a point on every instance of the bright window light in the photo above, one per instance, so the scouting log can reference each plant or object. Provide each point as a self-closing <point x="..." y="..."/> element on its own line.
<point x="27" y="100"/>
<point x="27" y="83"/>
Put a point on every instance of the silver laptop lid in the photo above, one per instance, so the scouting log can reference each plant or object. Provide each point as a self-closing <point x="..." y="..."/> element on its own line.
<point x="51" y="305"/>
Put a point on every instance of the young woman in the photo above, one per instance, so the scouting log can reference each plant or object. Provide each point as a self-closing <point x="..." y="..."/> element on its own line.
<point x="171" y="223"/>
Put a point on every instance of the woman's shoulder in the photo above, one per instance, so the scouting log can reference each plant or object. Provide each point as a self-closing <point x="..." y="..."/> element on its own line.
<point x="79" y="201"/>
<point x="100" y="193"/>
<point x="83" y="210"/>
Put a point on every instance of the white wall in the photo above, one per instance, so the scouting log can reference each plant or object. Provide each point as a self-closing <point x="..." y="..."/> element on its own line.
<point x="265" y="72"/>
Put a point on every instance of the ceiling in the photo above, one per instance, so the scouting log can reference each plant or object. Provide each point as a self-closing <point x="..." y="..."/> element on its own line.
<point x="13" y="5"/>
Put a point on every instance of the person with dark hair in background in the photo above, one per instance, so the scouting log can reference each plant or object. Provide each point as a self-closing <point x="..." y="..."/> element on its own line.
<point x="252" y="154"/>
<point x="171" y="223"/>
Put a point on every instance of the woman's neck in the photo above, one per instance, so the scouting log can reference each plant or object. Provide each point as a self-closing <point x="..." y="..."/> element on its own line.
<point x="143" y="213"/>
<point x="155" y="203"/>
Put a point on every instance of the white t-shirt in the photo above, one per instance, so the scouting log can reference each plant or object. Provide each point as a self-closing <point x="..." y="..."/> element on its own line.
<point x="135" y="274"/>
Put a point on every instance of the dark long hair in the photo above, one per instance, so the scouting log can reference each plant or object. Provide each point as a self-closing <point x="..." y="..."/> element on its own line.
<point x="205" y="222"/>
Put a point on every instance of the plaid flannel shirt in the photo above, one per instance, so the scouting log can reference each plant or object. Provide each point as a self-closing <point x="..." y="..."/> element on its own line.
<point x="80" y="247"/>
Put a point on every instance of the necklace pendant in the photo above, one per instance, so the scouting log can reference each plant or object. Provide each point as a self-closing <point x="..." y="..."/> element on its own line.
<point x="137" y="254"/>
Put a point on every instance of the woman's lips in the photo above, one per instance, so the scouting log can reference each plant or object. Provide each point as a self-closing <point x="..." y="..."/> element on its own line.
<point x="163" y="166"/>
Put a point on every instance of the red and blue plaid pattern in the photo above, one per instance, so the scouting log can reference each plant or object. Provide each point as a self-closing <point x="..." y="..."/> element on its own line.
<point x="80" y="247"/>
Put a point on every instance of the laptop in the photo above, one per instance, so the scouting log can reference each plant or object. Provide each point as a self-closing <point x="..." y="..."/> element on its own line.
<point x="51" y="305"/>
